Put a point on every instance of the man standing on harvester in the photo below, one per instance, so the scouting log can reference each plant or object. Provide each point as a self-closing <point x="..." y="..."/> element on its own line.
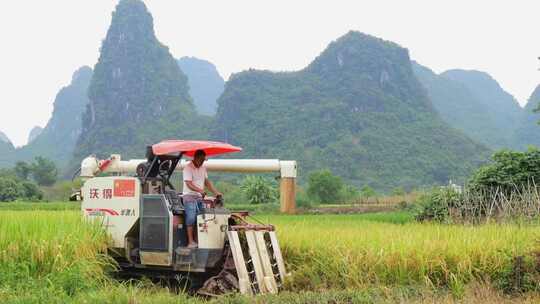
<point x="195" y="180"/>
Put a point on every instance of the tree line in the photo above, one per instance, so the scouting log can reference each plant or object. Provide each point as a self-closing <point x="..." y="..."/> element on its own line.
<point x="23" y="181"/>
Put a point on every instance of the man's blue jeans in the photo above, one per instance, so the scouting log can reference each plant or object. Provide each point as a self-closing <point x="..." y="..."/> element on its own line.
<point x="192" y="207"/>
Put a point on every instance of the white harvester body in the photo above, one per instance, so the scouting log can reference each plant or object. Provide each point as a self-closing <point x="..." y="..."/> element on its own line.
<point x="115" y="201"/>
<point x="144" y="216"/>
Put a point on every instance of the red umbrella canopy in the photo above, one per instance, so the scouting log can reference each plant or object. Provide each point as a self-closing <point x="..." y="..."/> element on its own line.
<point x="188" y="147"/>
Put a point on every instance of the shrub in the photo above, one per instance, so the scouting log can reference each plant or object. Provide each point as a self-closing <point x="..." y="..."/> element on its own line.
<point x="324" y="187"/>
<point x="13" y="187"/>
<point x="31" y="191"/>
<point x="302" y="199"/>
<point x="508" y="170"/>
<point x="259" y="190"/>
<point x="435" y="205"/>
<point x="10" y="189"/>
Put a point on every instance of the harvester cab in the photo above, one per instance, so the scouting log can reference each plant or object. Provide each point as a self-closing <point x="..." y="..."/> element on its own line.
<point x="144" y="215"/>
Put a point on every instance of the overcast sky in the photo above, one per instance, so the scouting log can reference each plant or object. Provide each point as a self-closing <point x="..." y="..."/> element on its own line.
<point x="44" y="42"/>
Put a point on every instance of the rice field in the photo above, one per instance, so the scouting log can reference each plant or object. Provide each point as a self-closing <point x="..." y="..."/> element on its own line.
<point x="53" y="257"/>
<point x="358" y="251"/>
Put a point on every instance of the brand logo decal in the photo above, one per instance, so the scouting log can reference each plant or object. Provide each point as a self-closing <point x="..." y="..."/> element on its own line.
<point x="100" y="211"/>
<point x="124" y="188"/>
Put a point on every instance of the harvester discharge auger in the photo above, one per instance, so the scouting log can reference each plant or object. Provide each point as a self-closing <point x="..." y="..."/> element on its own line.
<point x="144" y="215"/>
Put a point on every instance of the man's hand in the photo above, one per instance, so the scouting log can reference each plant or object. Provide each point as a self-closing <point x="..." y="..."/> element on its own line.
<point x="211" y="187"/>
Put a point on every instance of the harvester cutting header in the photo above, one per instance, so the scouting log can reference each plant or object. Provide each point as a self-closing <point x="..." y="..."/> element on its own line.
<point x="153" y="226"/>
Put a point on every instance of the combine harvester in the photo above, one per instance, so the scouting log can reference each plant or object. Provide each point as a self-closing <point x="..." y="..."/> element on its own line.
<point x="144" y="214"/>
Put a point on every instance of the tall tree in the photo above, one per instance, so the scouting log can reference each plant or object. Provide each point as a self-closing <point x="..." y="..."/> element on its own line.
<point x="23" y="170"/>
<point x="44" y="171"/>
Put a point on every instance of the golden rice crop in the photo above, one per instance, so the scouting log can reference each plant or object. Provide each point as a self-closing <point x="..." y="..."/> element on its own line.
<point x="345" y="251"/>
<point x="54" y="256"/>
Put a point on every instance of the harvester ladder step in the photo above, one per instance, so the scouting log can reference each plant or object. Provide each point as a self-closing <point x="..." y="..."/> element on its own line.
<point x="256" y="260"/>
<point x="269" y="279"/>
<point x="264" y="257"/>
<point x="244" y="283"/>
<point x="277" y="255"/>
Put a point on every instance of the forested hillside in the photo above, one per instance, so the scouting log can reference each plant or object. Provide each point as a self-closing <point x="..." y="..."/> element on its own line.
<point x="498" y="103"/>
<point x="528" y="131"/>
<point x="475" y="103"/>
<point x="138" y="94"/>
<point x="7" y="151"/>
<point x="57" y="140"/>
<point x="205" y="83"/>
<point x="357" y="108"/>
<point x="470" y="104"/>
<point x="59" y="136"/>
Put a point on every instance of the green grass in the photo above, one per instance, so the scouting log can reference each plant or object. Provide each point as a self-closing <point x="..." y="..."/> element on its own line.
<point x="394" y="217"/>
<point x="27" y="206"/>
<point x="62" y="206"/>
<point x="50" y="252"/>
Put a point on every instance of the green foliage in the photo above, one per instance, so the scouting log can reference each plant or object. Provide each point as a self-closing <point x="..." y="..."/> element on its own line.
<point x="349" y="193"/>
<point x="398" y="191"/>
<point x="31" y="191"/>
<point x="10" y="189"/>
<point x="259" y="190"/>
<point x="504" y="189"/>
<point x="509" y="171"/>
<point x="13" y="188"/>
<point x="44" y="171"/>
<point x="232" y="193"/>
<point x="61" y="190"/>
<point x="23" y="170"/>
<point x="51" y="252"/>
<point x="35" y="206"/>
<point x="367" y="192"/>
<point x="324" y="187"/>
<point x="303" y="201"/>
<point x="436" y="204"/>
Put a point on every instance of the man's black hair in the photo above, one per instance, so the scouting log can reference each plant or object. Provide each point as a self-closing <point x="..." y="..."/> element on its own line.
<point x="199" y="153"/>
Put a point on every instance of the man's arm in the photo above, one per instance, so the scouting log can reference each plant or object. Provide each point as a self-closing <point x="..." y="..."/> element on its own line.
<point x="211" y="187"/>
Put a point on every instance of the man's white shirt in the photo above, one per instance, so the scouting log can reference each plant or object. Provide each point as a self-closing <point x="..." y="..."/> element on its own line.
<point x="196" y="175"/>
